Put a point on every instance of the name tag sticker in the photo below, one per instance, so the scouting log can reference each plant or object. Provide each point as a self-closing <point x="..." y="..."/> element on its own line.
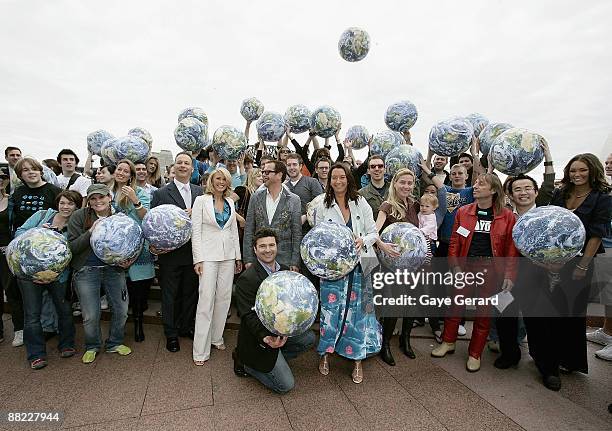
<point x="463" y="231"/>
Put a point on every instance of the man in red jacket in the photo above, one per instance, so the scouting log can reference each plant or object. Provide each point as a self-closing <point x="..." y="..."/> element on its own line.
<point x="482" y="231"/>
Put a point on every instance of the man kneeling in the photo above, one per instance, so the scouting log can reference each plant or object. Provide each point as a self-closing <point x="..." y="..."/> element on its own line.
<point x="260" y="353"/>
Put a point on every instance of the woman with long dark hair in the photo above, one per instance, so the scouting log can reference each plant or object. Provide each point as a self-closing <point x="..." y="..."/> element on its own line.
<point x="348" y="323"/>
<point x="154" y="175"/>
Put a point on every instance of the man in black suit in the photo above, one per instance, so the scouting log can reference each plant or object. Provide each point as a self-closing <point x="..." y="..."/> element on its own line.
<point x="260" y="353"/>
<point x="177" y="278"/>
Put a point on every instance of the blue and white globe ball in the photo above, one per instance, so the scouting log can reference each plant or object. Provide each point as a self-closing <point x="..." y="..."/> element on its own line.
<point x="38" y="255"/>
<point x="311" y="208"/>
<point x="96" y="139"/>
<point x="142" y="134"/>
<point x="517" y="151"/>
<point x="287" y="303"/>
<point x="229" y="143"/>
<point x="270" y="126"/>
<point x="197" y="113"/>
<point x="166" y="227"/>
<point x="451" y="137"/>
<point x="401" y="116"/>
<point x="191" y="134"/>
<point x="478" y="121"/>
<point x="325" y="121"/>
<point x="410" y="243"/>
<point x="549" y="235"/>
<point x="404" y="156"/>
<point x="328" y="250"/>
<point x="117" y="239"/>
<point x="385" y="141"/>
<point x="358" y="136"/>
<point x="251" y="109"/>
<point x="108" y="152"/>
<point x="488" y="135"/>
<point x="49" y="176"/>
<point x="132" y="148"/>
<point x="298" y="118"/>
<point x="354" y="44"/>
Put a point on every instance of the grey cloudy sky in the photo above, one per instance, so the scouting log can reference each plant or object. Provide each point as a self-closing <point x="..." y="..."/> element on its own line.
<point x="70" y="67"/>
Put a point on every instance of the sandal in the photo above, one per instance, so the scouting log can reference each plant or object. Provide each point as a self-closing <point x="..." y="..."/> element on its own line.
<point x="324" y="365"/>
<point x="357" y="374"/>
<point x="39" y="363"/>
<point x="199" y="363"/>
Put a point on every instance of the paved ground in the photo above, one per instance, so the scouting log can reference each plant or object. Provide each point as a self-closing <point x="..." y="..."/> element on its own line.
<point x="153" y="389"/>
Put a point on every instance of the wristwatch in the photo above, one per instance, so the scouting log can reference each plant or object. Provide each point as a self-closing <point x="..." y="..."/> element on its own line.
<point x="548" y="163"/>
<point x="431" y="175"/>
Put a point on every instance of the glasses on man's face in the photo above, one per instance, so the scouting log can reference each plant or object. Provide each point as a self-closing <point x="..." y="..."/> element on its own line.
<point x="381" y="166"/>
<point x="323" y="168"/>
<point x="268" y="172"/>
<point x="524" y="189"/>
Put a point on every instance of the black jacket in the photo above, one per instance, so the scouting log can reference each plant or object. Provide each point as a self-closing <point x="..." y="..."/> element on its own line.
<point x="169" y="194"/>
<point x="252" y="350"/>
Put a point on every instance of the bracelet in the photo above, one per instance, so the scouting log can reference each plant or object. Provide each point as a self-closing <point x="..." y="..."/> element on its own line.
<point x="138" y="205"/>
<point x="548" y="163"/>
<point x="582" y="268"/>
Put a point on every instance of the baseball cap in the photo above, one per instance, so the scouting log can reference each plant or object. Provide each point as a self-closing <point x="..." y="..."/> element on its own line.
<point x="97" y="189"/>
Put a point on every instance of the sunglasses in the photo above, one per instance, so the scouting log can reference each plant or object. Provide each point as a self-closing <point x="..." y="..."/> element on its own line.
<point x="377" y="166"/>
<point x="268" y="172"/>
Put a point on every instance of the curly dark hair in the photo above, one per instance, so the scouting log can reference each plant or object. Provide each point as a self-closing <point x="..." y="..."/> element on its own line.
<point x="352" y="192"/>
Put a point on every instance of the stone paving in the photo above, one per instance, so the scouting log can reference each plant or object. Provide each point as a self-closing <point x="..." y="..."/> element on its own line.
<point x="153" y="389"/>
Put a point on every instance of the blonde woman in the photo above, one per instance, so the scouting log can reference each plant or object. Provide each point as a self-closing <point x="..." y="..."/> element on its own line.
<point x="154" y="176"/>
<point x="134" y="201"/>
<point x="216" y="258"/>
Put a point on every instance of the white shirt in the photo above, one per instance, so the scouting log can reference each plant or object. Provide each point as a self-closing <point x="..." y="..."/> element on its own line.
<point x="516" y="212"/>
<point x="80" y="185"/>
<point x="185" y="191"/>
<point x="272" y="204"/>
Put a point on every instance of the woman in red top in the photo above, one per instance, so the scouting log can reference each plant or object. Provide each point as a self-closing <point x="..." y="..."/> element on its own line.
<point x="482" y="230"/>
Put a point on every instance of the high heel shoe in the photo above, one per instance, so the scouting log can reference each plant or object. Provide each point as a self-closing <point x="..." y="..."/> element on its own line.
<point x="324" y="365"/>
<point x="357" y="373"/>
<point x="405" y="346"/>
<point x="386" y="355"/>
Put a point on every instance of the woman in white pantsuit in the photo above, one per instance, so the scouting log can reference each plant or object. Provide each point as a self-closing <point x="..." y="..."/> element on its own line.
<point x="216" y="258"/>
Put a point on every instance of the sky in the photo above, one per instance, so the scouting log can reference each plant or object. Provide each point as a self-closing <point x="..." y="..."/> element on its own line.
<point x="71" y="67"/>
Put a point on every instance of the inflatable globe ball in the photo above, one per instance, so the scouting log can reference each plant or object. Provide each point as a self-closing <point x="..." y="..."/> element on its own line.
<point x="401" y="116"/>
<point x="142" y="134"/>
<point x="451" y="137"/>
<point x="197" y="113"/>
<point x="517" y="151"/>
<point x="297" y="118"/>
<point x="385" y="141"/>
<point x="251" y="109"/>
<point x="410" y="243"/>
<point x="108" y="152"/>
<point x="478" y="121"/>
<point x="311" y="208"/>
<point x="404" y="156"/>
<point x="39" y="255"/>
<point x="96" y="139"/>
<point x="325" y="121"/>
<point x="287" y="303"/>
<point x="328" y="250"/>
<point x="131" y="148"/>
<point x="354" y="44"/>
<point x="270" y="126"/>
<point x="117" y="240"/>
<point x="549" y="235"/>
<point x="191" y="134"/>
<point x="229" y="143"/>
<point x="488" y="135"/>
<point x="166" y="227"/>
<point x="358" y="136"/>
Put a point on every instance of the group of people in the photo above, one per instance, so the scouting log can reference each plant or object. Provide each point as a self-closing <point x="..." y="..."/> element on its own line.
<point x="248" y="219"/>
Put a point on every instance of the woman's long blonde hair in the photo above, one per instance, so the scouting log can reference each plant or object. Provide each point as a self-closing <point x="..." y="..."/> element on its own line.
<point x="398" y="208"/>
<point x="156" y="176"/>
<point x="121" y="199"/>
<point x="228" y="180"/>
<point x="496" y="187"/>
<point x="249" y="184"/>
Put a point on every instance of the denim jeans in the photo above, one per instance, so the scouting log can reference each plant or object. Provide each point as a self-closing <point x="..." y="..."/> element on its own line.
<point x="280" y="378"/>
<point x="33" y="336"/>
<point x="48" y="314"/>
<point x="88" y="281"/>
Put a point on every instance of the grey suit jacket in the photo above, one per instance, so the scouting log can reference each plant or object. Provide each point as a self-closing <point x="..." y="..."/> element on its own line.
<point x="287" y="223"/>
<point x="169" y="194"/>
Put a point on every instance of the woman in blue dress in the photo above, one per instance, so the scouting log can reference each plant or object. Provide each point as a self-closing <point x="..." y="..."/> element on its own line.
<point x="348" y="324"/>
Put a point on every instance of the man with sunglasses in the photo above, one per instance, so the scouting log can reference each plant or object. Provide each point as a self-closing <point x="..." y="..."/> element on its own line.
<point x="376" y="191"/>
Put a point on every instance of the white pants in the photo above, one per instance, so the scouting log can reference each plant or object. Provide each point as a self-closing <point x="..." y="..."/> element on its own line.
<point x="215" y="296"/>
